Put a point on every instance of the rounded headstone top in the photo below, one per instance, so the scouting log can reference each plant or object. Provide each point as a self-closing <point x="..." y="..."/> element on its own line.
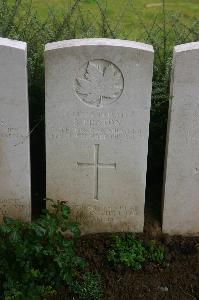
<point x="13" y="44"/>
<point x="99" y="42"/>
<point x="186" y="47"/>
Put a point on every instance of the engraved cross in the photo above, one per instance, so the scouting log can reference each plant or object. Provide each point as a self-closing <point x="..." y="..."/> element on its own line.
<point x="96" y="165"/>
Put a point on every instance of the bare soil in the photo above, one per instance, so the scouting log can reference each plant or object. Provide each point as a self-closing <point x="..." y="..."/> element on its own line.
<point x="176" y="279"/>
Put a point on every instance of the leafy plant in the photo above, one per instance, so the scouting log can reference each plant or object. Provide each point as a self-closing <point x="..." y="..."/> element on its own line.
<point x="155" y="253"/>
<point x="131" y="252"/>
<point x="90" y="288"/>
<point x="36" y="259"/>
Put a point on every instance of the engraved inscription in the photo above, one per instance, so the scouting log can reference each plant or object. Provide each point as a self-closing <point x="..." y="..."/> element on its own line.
<point x="105" y="214"/>
<point x="17" y="135"/>
<point x="99" y="82"/>
<point x="12" y="207"/>
<point x="2" y="123"/>
<point x="97" y="125"/>
<point x="96" y="165"/>
<point x="96" y="134"/>
<point x="12" y="133"/>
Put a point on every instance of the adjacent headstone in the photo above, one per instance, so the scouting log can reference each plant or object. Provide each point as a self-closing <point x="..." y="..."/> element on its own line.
<point x="15" y="200"/>
<point x="98" y="94"/>
<point x="181" y="197"/>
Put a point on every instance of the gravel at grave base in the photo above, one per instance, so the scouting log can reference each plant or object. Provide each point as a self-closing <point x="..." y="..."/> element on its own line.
<point x="177" y="279"/>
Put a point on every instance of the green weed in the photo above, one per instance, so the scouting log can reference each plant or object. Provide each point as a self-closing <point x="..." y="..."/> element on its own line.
<point x="37" y="260"/>
<point x="127" y="250"/>
<point x="90" y="288"/>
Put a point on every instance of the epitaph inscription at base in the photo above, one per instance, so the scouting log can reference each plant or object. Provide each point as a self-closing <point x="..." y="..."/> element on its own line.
<point x="97" y="118"/>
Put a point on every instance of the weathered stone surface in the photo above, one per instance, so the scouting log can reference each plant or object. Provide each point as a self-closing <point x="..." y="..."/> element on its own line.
<point x="97" y="117"/>
<point x="181" y="197"/>
<point x="15" y="198"/>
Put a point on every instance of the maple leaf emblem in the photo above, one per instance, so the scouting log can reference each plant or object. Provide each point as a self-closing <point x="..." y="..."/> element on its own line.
<point x="102" y="83"/>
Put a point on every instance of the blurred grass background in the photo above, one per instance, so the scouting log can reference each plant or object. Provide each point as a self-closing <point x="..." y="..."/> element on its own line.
<point x="130" y="12"/>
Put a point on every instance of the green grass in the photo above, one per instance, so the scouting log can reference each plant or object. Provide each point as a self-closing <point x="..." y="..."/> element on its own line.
<point x="128" y="15"/>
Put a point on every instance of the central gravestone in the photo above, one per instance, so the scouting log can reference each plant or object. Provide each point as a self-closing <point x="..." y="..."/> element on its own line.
<point x="97" y="118"/>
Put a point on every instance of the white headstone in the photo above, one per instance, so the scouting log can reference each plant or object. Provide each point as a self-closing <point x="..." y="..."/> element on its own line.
<point x="15" y="200"/>
<point x="98" y="94"/>
<point x="181" y="197"/>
